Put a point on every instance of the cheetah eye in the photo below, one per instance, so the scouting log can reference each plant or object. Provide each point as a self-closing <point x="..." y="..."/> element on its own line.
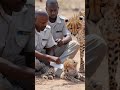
<point x="81" y="18"/>
<point x="66" y="20"/>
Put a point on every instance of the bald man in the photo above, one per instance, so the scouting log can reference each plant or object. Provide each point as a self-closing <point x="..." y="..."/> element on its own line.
<point x="44" y="43"/>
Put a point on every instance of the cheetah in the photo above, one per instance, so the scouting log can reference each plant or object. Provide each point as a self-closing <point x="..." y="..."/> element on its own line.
<point x="76" y="26"/>
<point x="70" y="72"/>
<point x="45" y="72"/>
<point x="110" y="30"/>
<point x="50" y="74"/>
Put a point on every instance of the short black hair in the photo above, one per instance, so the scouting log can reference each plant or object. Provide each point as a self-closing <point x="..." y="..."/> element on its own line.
<point x="51" y="2"/>
<point x="40" y="13"/>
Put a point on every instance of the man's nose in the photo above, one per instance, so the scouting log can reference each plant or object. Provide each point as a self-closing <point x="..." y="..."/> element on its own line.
<point x="53" y="12"/>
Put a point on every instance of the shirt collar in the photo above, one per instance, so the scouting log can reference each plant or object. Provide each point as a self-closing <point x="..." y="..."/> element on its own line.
<point x="4" y="15"/>
<point x="41" y="31"/>
<point x="24" y="9"/>
<point x="14" y="13"/>
<point x="9" y="18"/>
<point x="57" y="20"/>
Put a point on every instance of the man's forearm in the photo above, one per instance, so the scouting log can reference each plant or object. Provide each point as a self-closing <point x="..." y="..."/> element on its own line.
<point x="13" y="71"/>
<point x="39" y="55"/>
<point x="67" y="39"/>
<point x="43" y="56"/>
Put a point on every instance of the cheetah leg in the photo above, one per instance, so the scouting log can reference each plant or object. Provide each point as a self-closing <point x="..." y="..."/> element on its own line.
<point x="93" y="85"/>
<point x="81" y="77"/>
<point x="82" y="64"/>
<point x="113" y="55"/>
<point x="119" y="87"/>
<point x="49" y="74"/>
<point x="71" y="78"/>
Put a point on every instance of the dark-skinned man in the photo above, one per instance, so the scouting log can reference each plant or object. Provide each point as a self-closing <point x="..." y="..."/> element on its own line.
<point x="44" y="42"/>
<point x="66" y="47"/>
<point x="16" y="44"/>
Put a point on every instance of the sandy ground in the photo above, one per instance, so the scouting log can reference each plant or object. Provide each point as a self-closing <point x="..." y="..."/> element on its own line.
<point x="59" y="84"/>
<point x="67" y="9"/>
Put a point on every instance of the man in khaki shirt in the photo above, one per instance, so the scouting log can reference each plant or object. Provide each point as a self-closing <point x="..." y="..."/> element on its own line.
<point x="66" y="47"/>
<point x="16" y="45"/>
<point x="43" y="41"/>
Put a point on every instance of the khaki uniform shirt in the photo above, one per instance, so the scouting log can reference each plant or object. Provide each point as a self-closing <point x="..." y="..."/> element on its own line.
<point x="44" y="39"/>
<point x="59" y="29"/>
<point x="16" y="34"/>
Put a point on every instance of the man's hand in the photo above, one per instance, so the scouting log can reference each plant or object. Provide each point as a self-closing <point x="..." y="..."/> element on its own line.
<point x="65" y="40"/>
<point x="47" y="57"/>
<point x="55" y="59"/>
<point x="60" y="42"/>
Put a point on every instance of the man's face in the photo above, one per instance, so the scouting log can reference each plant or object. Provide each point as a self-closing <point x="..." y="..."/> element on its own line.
<point x="52" y="10"/>
<point x="14" y="5"/>
<point x="41" y="22"/>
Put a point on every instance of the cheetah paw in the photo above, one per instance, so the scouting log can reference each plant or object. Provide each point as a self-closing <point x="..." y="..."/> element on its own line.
<point x="50" y="77"/>
<point x="44" y="77"/>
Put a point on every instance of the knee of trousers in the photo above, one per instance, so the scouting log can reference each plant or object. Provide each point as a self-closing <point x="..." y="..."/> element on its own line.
<point x="74" y="44"/>
<point x="38" y="64"/>
<point x="5" y="84"/>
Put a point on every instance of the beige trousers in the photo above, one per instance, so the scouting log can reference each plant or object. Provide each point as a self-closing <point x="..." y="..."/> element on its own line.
<point x="67" y="51"/>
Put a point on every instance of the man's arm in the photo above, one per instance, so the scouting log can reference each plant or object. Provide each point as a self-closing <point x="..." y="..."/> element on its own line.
<point x="67" y="39"/>
<point x="63" y="41"/>
<point x="39" y="56"/>
<point x="67" y="36"/>
<point x="13" y="71"/>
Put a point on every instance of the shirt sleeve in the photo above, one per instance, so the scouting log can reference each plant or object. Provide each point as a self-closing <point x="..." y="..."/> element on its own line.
<point x="65" y="30"/>
<point x="30" y="46"/>
<point x="50" y="42"/>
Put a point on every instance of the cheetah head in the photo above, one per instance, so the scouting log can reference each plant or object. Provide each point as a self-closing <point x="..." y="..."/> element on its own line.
<point x="70" y="66"/>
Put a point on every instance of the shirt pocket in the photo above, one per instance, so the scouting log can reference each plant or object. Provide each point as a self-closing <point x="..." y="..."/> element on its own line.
<point x="44" y="42"/>
<point x="22" y="36"/>
<point x="59" y="34"/>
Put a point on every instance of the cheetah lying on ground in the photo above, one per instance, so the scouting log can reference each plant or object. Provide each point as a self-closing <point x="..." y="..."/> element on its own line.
<point x="70" y="72"/>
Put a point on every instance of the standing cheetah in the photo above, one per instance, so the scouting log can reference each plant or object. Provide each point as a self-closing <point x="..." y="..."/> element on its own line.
<point x="76" y="26"/>
<point x="110" y="29"/>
